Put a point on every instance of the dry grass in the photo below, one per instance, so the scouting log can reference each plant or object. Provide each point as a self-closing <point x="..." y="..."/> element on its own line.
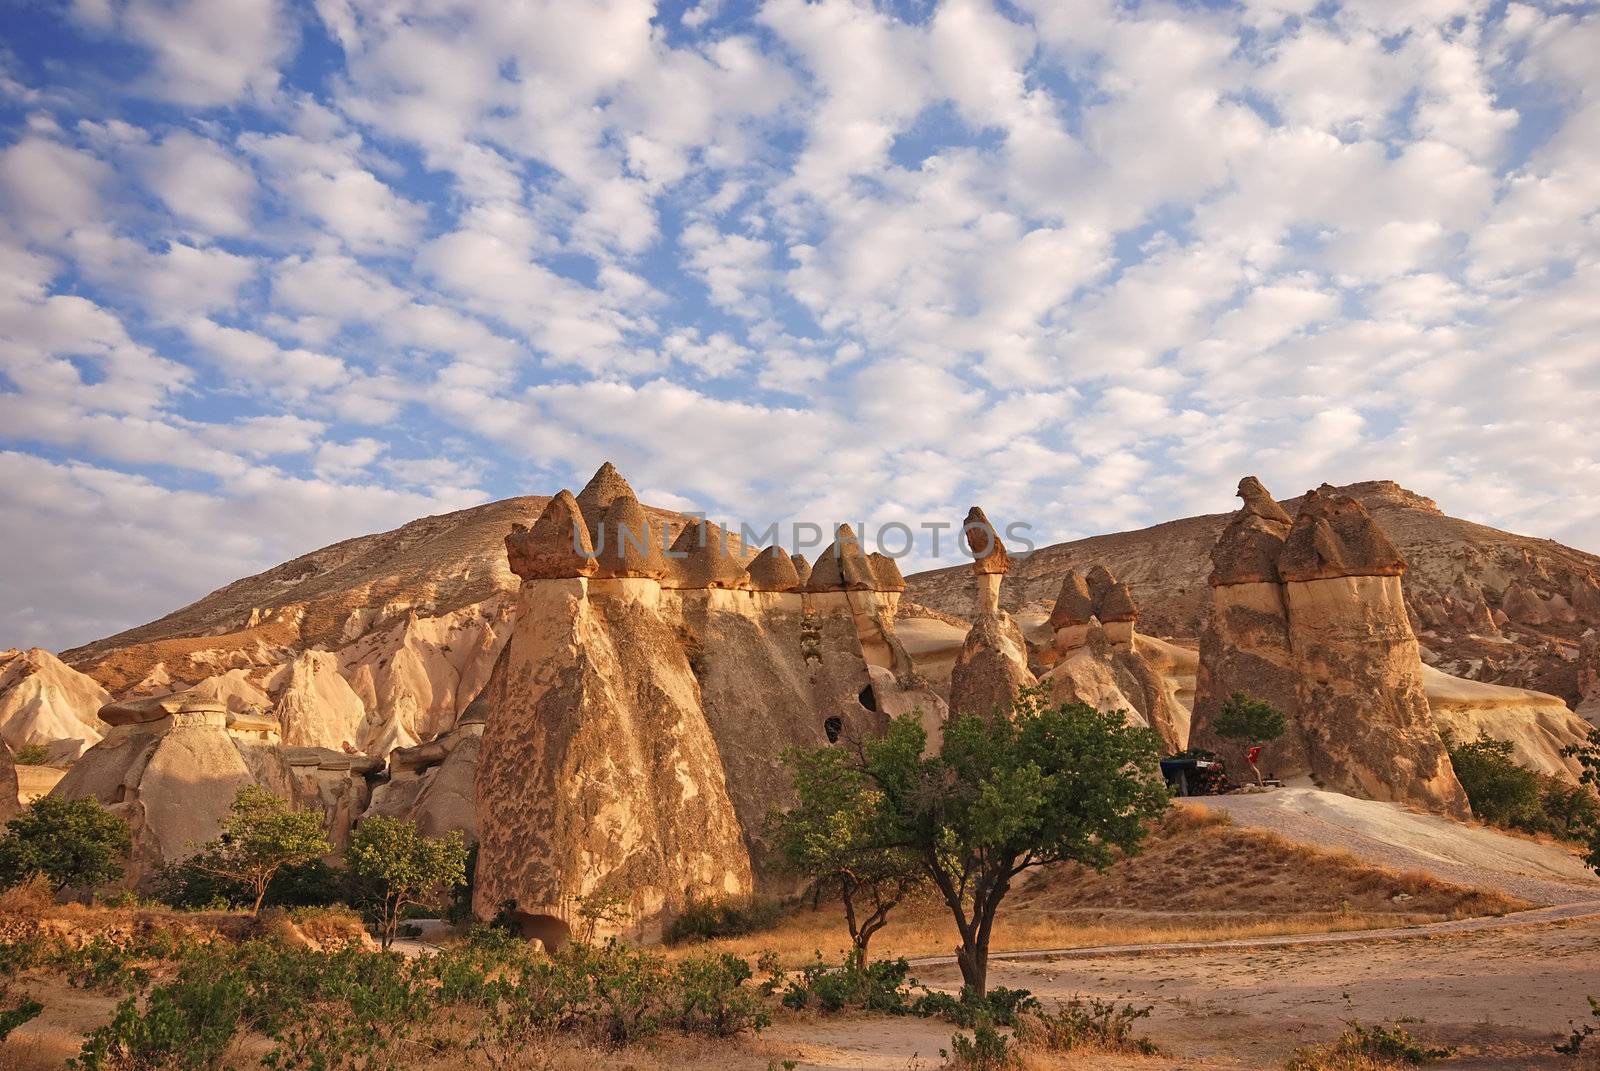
<point x="1199" y="878"/>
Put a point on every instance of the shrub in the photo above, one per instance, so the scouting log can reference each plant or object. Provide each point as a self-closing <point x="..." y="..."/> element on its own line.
<point x="986" y="1050"/>
<point x="73" y="843"/>
<point x="189" y="1024"/>
<point x="32" y="755"/>
<point x="999" y="1006"/>
<point x="1362" y="1046"/>
<point x="1501" y="792"/>
<point x="399" y="868"/>
<point x="712" y="998"/>
<point x="882" y="986"/>
<point x="1086" y="1023"/>
<point x="708" y="920"/>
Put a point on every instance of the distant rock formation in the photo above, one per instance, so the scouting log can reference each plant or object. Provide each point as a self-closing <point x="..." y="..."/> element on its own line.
<point x="10" y="791"/>
<point x="1097" y="657"/>
<point x="1589" y="676"/>
<point x="45" y="701"/>
<point x="1333" y="648"/>
<point x="993" y="664"/>
<point x="634" y="722"/>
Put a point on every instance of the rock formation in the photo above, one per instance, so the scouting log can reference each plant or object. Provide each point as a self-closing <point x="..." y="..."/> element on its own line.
<point x="10" y="791"/>
<point x="993" y="664"/>
<point x="45" y="701"/>
<point x="635" y="720"/>
<point x="1361" y="700"/>
<point x="434" y="784"/>
<point x="1097" y="657"/>
<point x="1244" y="642"/>
<point x="1589" y="676"/>
<point x="172" y="766"/>
<point x="1524" y="606"/>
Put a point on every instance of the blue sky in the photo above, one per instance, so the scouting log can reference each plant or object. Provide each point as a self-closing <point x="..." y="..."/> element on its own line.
<point x="276" y="274"/>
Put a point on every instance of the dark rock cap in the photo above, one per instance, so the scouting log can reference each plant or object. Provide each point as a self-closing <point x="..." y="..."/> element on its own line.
<point x="1116" y="605"/>
<point x="1074" y="605"/>
<point x="773" y="570"/>
<point x="982" y="541"/>
<point x="603" y="488"/>
<point x="629" y="545"/>
<point x="708" y="561"/>
<point x="1335" y="536"/>
<point x="843" y="566"/>
<point x="802" y="568"/>
<point x="1248" y="549"/>
<point x="886" y="572"/>
<point x="1100" y="581"/>
<point x="556" y="547"/>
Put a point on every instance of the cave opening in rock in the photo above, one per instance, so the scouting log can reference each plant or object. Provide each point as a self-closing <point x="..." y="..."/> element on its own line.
<point x="868" y="698"/>
<point x="833" y="727"/>
<point x="549" y="930"/>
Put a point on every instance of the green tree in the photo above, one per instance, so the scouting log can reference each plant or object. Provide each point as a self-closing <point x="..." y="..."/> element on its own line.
<point x="71" y="842"/>
<point x="828" y="837"/>
<point x="1005" y="793"/>
<point x="403" y="868"/>
<point x="1250" y="721"/>
<point x="261" y="835"/>
<point x="1588" y="756"/>
<point x="1501" y="792"/>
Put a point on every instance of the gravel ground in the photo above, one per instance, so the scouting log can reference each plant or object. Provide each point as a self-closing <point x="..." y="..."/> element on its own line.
<point x="1391" y="836"/>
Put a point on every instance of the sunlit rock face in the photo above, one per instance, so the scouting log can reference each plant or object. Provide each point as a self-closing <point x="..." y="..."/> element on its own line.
<point x="993" y="664"/>
<point x="634" y="724"/>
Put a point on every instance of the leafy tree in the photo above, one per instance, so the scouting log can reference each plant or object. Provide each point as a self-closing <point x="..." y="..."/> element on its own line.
<point x="1501" y="792"/>
<point x="1588" y="756"/>
<point x="403" y="868"/>
<point x="1250" y="721"/>
<point x="31" y="755"/>
<point x="71" y="842"/>
<point x="1044" y="784"/>
<point x="260" y="836"/>
<point x="829" y="837"/>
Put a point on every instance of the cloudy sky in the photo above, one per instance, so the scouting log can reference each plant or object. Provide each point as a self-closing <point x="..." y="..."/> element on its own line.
<point x="276" y="274"/>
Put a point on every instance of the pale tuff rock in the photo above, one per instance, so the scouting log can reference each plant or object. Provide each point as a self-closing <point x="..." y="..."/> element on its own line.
<point x="993" y="664"/>
<point x="1117" y="614"/>
<point x="1538" y="726"/>
<point x="316" y="707"/>
<point x="598" y="772"/>
<point x="432" y="784"/>
<point x="172" y="766"/>
<point x="333" y="783"/>
<point x="1244" y="637"/>
<point x="1524" y="606"/>
<point x="45" y="701"/>
<point x="558" y="544"/>
<point x="1361" y="700"/>
<point x="773" y="570"/>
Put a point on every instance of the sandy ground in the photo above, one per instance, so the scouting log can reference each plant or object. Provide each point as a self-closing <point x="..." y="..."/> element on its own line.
<point x="1389" y="835"/>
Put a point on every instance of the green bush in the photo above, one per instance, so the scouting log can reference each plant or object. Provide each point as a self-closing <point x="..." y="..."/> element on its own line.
<point x="708" y="920"/>
<point x="31" y="755"/>
<point x="986" y="1050"/>
<point x="73" y="843"/>
<point x="998" y="1007"/>
<point x="1086" y="1023"/>
<point x="188" y="1024"/>
<point x="188" y="886"/>
<point x="1505" y="794"/>
<point x="1383" y="1043"/>
<point x="881" y="986"/>
<point x="713" y="999"/>
<point x="1574" y="1043"/>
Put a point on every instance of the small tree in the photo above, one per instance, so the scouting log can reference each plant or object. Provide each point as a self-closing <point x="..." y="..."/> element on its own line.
<point x="1588" y="756"/>
<point x="403" y="868"/>
<point x="72" y="843"/>
<point x="1006" y="793"/>
<point x="1251" y="721"/>
<point x="260" y="836"/>
<point x="828" y="837"/>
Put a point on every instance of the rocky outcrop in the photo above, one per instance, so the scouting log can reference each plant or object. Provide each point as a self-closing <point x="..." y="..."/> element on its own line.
<point x="635" y="721"/>
<point x="1360" y="696"/>
<point x="316" y="707"/>
<point x="1524" y="606"/>
<point x="993" y="664"/>
<point x="1537" y="725"/>
<point x="45" y="701"/>
<point x="1097" y="657"/>
<point x="1589" y="676"/>
<point x="1244" y="641"/>
<point x="434" y="784"/>
<point x="172" y="766"/>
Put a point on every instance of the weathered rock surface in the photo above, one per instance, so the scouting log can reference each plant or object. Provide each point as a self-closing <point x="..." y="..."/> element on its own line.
<point x="993" y="664"/>
<point x="1360" y="697"/>
<point x="1538" y="725"/>
<point x="1589" y="676"/>
<point x="10" y="790"/>
<point x="45" y="701"/>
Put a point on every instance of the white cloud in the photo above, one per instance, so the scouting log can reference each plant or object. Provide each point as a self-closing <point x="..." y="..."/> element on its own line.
<point x="201" y="183"/>
<point x="205" y="52"/>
